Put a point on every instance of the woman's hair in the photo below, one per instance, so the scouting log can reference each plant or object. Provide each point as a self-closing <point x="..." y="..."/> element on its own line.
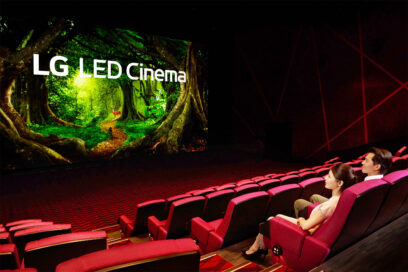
<point x="345" y="173"/>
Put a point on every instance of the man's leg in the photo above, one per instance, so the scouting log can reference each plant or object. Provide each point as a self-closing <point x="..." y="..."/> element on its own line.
<point x="318" y="198"/>
<point x="299" y="205"/>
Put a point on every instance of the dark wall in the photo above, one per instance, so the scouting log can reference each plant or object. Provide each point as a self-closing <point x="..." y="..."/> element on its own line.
<point x="308" y="71"/>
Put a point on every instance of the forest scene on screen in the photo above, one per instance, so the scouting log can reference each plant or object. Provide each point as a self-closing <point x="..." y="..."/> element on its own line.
<point x="73" y="92"/>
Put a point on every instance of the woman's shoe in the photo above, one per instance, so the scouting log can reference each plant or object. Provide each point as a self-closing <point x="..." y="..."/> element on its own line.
<point x="254" y="255"/>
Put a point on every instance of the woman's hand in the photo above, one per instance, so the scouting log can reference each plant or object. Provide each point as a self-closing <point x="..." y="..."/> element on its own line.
<point x="301" y="222"/>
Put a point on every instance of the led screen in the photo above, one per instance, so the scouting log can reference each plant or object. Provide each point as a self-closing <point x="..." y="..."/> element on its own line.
<point x="73" y="92"/>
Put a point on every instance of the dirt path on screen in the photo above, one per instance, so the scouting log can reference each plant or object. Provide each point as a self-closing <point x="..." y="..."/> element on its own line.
<point x="106" y="148"/>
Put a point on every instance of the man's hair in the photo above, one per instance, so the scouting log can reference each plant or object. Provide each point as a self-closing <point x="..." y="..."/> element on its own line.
<point x="382" y="157"/>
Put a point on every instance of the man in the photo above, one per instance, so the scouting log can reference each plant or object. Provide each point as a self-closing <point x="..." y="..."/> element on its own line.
<point x="376" y="164"/>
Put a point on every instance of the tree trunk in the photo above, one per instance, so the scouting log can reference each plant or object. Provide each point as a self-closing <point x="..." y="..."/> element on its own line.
<point x="186" y="123"/>
<point x="129" y="112"/>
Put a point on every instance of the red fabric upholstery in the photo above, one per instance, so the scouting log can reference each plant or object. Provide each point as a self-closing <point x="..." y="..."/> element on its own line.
<point x="22" y="237"/>
<point x="289" y="179"/>
<point x="306" y="175"/>
<point x="311" y="186"/>
<point x="321" y="172"/>
<point x="241" y="220"/>
<point x="277" y="176"/>
<point x="2" y="229"/>
<point x="268" y="184"/>
<point x="47" y="253"/>
<point x="281" y="199"/>
<point x="244" y="182"/>
<point x="305" y="170"/>
<point x="164" y="255"/>
<point x="177" y="223"/>
<point x="203" y="192"/>
<point x="216" y="204"/>
<point x="245" y="189"/>
<point x="398" y="163"/>
<point x="400" y="151"/>
<point x="143" y="211"/>
<point x="20" y="222"/>
<point x="12" y="230"/>
<point x="9" y="257"/>
<point x="396" y="201"/>
<point x="259" y="178"/>
<point x="5" y="238"/>
<point x="170" y="200"/>
<point x="294" y="173"/>
<point x="226" y="186"/>
<point x="356" y="209"/>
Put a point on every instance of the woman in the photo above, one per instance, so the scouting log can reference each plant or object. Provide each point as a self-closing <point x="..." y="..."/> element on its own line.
<point x="340" y="177"/>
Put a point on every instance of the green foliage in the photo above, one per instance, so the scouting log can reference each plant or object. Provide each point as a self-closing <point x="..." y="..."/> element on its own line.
<point x="91" y="135"/>
<point x="136" y="130"/>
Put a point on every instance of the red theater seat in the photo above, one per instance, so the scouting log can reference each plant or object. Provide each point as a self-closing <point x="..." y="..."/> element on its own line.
<point x="47" y="253"/>
<point x="398" y="163"/>
<point x="22" y="237"/>
<point x="2" y="229"/>
<point x="245" y="189"/>
<point x="310" y="187"/>
<point x="395" y="203"/>
<point x="226" y="186"/>
<point x="400" y="151"/>
<point x="290" y="179"/>
<point x="244" y="182"/>
<point x="241" y="220"/>
<point x="20" y="222"/>
<point x="357" y="207"/>
<point x="5" y="238"/>
<point x="259" y="179"/>
<point x="16" y="228"/>
<point x="216" y="204"/>
<point x="306" y="175"/>
<point x="9" y="257"/>
<point x="292" y="173"/>
<point x="321" y="172"/>
<point x="177" y="223"/>
<point x="305" y="170"/>
<point x="165" y="255"/>
<point x="171" y="199"/>
<point x="143" y="211"/>
<point x="203" y="192"/>
<point x="281" y="199"/>
<point x="268" y="184"/>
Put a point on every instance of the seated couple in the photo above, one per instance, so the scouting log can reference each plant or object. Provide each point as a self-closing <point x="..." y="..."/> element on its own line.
<point x="340" y="177"/>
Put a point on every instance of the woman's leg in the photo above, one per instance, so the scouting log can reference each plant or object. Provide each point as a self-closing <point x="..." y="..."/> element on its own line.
<point x="290" y="219"/>
<point x="258" y="244"/>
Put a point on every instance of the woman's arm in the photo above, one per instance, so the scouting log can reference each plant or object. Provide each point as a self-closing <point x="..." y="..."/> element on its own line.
<point x="312" y="221"/>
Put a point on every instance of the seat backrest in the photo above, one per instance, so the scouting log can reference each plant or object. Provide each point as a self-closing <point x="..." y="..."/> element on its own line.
<point x="20" y="222"/>
<point x="359" y="173"/>
<point x="5" y="238"/>
<point x="22" y="237"/>
<point x="244" y="182"/>
<point x="181" y="211"/>
<point x="161" y="255"/>
<point x="259" y="179"/>
<point x="245" y="189"/>
<point x="311" y="186"/>
<point x="216" y="204"/>
<point x="289" y="179"/>
<point x="281" y="199"/>
<point x="268" y="184"/>
<point x="171" y="199"/>
<point x="226" y="186"/>
<point x="306" y="175"/>
<point x="322" y="171"/>
<point x="146" y="209"/>
<point x="47" y="253"/>
<point x="9" y="257"/>
<point x="14" y="229"/>
<point x="203" y="192"/>
<point x="398" y="163"/>
<point x="243" y="215"/>
<point x="394" y="200"/>
<point x="356" y="209"/>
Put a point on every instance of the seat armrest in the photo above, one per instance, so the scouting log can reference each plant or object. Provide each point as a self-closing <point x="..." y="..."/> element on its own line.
<point x="281" y="230"/>
<point x="200" y="230"/>
<point x="161" y="234"/>
<point x="125" y="225"/>
<point x="311" y="207"/>
<point x="153" y="225"/>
